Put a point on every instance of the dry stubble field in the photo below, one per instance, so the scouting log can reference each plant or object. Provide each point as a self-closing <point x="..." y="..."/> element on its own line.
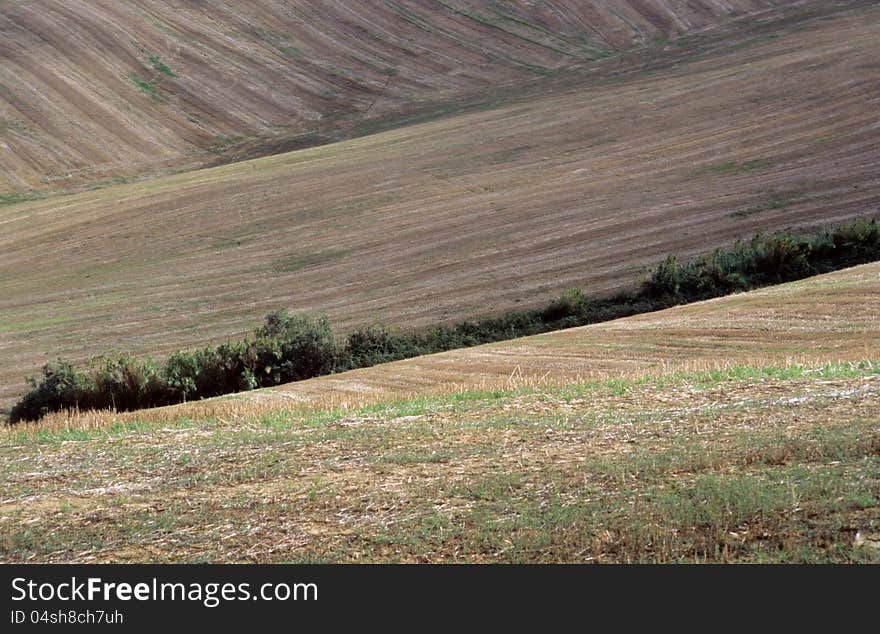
<point x="467" y="215"/>
<point x="739" y="429"/>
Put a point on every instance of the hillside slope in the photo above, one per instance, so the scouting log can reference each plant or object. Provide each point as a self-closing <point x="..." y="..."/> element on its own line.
<point x="740" y="429"/>
<point x="97" y="90"/>
<point x="583" y="186"/>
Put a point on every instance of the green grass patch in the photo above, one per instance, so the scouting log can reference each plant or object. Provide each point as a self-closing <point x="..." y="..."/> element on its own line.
<point x="145" y="86"/>
<point x="414" y="457"/>
<point x="774" y="202"/>
<point x="159" y="66"/>
<point x="14" y="198"/>
<point x="302" y="261"/>
<point x="734" y="167"/>
<point x="32" y="324"/>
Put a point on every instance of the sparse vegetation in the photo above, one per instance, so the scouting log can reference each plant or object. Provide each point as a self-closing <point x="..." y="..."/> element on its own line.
<point x="291" y="348"/>
<point x="734" y="167"/>
<point x="145" y="86"/>
<point x="705" y="467"/>
<point x="148" y="86"/>
<point x="775" y="201"/>
<point x="13" y="198"/>
<point x="284" y="349"/>
<point x="160" y="67"/>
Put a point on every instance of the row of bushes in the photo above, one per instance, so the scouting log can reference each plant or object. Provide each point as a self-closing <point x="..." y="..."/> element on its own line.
<point x="765" y="260"/>
<point x="291" y="348"/>
<point x="283" y="349"/>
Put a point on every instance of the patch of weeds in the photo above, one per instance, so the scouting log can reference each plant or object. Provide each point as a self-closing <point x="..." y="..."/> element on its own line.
<point x="841" y="370"/>
<point x="776" y="201"/>
<point x="412" y="457"/>
<point x="145" y="86"/>
<point x="492" y="488"/>
<point x="219" y="243"/>
<point x="109" y="182"/>
<point x="301" y="261"/>
<point x="167" y="30"/>
<point x="821" y="444"/>
<point x="454" y="402"/>
<point x="32" y="325"/>
<point x="290" y="52"/>
<point x="37" y="435"/>
<point x="159" y="66"/>
<point x="721" y="502"/>
<point x="743" y="517"/>
<point x="223" y="143"/>
<point x="14" y="198"/>
<point x="502" y="156"/>
<point x="734" y="167"/>
<point x="752" y="42"/>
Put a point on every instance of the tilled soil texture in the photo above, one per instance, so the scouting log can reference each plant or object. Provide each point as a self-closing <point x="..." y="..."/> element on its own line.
<point x="96" y="91"/>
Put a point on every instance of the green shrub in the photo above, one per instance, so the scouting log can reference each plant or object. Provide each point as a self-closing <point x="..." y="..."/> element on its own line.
<point x="180" y="372"/>
<point x="294" y="347"/>
<point x="857" y="241"/>
<point x="663" y="282"/>
<point x="781" y="257"/>
<point x="123" y="383"/>
<point x="61" y="387"/>
<point x="377" y="344"/>
<point x="159" y="66"/>
<point x="570" y="303"/>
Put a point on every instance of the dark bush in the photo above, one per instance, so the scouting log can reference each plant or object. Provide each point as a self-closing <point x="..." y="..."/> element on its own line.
<point x="571" y="303"/>
<point x="781" y="257"/>
<point x="124" y="383"/>
<point x="293" y="348"/>
<point x="62" y="387"/>
<point x="376" y="344"/>
<point x="854" y="242"/>
<point x="663" y="282"/>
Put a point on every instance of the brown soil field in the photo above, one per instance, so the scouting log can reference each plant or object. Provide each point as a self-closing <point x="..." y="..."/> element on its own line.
<point x="92" y="91"/>
<point x="742" y="429"/>
<point x="603" y="173"/>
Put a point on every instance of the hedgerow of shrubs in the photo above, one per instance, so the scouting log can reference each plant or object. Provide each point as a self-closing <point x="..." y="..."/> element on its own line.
<point x="764" y="260"/>
<point x="286" y="348"/>
<point x="291" y="348"/>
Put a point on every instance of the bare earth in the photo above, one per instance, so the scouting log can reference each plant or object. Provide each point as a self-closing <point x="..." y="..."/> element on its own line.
<point x="582" y="186"/>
